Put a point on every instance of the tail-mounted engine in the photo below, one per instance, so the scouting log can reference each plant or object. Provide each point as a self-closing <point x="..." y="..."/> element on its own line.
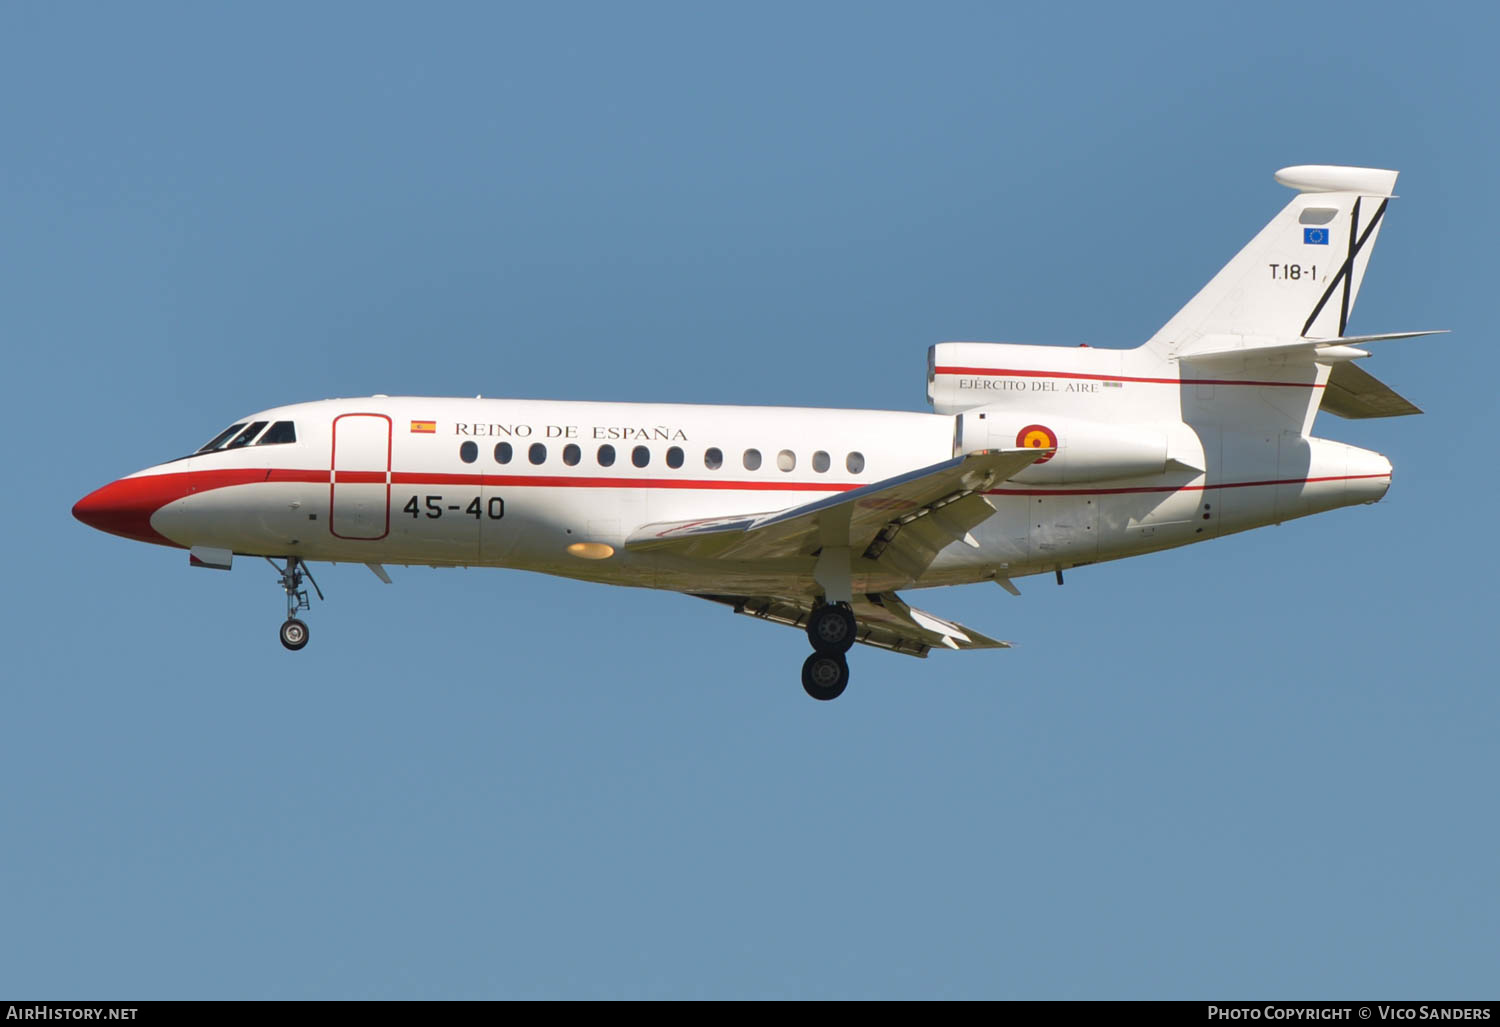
<point x="1082" y="451"/>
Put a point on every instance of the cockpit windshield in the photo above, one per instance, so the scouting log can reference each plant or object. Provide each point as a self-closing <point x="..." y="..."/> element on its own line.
<point x="245" y="434"/>
<point x="221" y="438"/>
<point x="281" y="431"/>
<point x="244" y="437"/>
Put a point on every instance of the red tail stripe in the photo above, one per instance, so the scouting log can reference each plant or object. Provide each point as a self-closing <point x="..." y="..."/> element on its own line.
<point x="1001" y="372"/>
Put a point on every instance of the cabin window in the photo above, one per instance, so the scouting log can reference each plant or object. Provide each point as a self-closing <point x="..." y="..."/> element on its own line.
<point x="606" y="455"/>
<point x="572" y="454"/>
<point x="468" y="452"/>
<point x="786" y="460"/>
<point x="537" y="454"/>
<point x="855" y="462"/>
<point x="674" y="457"/>
<point x="222" y="437"/>
<point x="244" y="437"/>
<point x="503" y="452"/>
<point x="820" y="461"/>
<point x="279" y="434"/>
<point x="752" y="459"/>
<point x="640" y="456"/>
<point x="713" y="458"/>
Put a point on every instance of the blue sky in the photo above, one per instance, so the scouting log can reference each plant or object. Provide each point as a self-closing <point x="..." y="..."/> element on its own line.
<point x="1262" y="766"/>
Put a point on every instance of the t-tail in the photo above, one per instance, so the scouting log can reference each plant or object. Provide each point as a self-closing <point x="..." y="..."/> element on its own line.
<point x="1261" y="348"/>
<point x="1219" y="403"/>
<point x="1279" y="310"/>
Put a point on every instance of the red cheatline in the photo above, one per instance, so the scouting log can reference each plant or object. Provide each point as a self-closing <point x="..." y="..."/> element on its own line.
<point x="1001" y="372"/>
<point x="169" y="487"/>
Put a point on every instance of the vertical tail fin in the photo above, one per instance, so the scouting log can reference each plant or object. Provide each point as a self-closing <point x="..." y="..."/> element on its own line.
<point x="1300" y="275"/>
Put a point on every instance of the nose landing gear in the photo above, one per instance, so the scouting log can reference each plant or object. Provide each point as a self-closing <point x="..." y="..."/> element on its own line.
<point x="294" y="633"/>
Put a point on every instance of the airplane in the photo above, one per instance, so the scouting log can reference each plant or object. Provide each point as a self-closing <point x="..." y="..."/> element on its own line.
<point x="1034" y="460"/>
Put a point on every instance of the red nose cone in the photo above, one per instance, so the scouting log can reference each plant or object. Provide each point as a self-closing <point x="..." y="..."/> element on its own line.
<point x="124" y="508"/>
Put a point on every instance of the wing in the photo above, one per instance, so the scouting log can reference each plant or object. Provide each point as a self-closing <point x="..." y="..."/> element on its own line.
<point x="884" y="620"/>
<point x="903" y="521"/>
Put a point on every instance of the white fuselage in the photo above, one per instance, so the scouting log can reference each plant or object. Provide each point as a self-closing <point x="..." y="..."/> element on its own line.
<point x="493" y="482"/>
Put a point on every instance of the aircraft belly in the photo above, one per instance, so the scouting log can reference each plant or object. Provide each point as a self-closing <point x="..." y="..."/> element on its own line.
<point x="1064" y="529"/>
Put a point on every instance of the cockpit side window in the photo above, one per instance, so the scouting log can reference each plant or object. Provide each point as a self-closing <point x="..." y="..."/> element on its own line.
<point x="244" y="437"/>
<point x="222" y="437"/>
<point x="279" y="433"/>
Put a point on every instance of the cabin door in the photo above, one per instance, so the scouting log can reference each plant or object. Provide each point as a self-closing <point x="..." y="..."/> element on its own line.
<point x="360" y="482"/>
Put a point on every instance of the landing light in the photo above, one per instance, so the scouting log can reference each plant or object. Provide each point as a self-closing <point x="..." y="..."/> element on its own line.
<point x="592" y="550"/>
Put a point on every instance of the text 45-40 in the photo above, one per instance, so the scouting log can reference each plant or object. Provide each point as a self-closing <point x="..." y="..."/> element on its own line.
<point x="433" y="507"/>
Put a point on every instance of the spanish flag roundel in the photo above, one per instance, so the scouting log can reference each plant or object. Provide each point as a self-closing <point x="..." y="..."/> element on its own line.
<point x="1037" y="436"/>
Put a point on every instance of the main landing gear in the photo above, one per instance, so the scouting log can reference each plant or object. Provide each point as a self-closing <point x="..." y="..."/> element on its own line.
<point x="293" y="632"/>
<point x="831" y="630"/>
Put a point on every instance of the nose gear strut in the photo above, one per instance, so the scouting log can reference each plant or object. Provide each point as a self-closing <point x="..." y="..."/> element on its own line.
<point x="293" y="632"/>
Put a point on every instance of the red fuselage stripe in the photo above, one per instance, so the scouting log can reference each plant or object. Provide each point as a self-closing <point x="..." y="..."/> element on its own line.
<point x="311" y="477"/>
<point x="1001" y="372"/>
<point x="1179" y="488"/>
<point x="176" y="486"/>
<point x="563" y="481"/>
<point x="125" y="507"/>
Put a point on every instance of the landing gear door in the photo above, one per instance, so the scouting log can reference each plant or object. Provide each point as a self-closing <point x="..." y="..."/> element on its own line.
<point x="360" y="483"/>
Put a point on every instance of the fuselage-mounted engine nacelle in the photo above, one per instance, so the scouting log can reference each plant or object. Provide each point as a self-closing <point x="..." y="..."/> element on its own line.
<point x="1085" y="450"/>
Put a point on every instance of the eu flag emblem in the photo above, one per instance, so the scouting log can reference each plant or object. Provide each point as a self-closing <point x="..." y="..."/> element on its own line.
<point x="1315" y="236"/>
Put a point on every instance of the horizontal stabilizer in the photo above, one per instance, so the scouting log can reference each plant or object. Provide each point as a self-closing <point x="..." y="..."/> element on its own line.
<point x="1360" y="340"/>
<point x="1354" y="392"/>
<point x="1214" y="346"/>
<point x="885" y="622"/>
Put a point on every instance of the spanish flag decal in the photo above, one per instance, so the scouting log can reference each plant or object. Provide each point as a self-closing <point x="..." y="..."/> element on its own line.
<point x="424" y="427"/>
<point x="1037" y="436"/>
